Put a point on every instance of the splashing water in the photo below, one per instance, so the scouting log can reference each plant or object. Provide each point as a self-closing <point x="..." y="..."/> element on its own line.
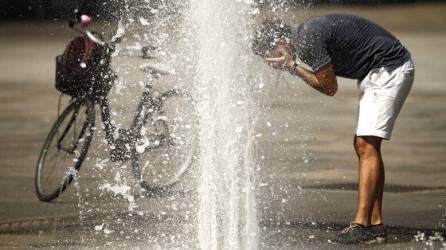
<point x="227" y="213"/>
<point x="221" y="58"/>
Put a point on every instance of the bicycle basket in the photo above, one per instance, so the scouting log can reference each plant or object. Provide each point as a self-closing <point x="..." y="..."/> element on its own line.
<point x="84" y="69"/>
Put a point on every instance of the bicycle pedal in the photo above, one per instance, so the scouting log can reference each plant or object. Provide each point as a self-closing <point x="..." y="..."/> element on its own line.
<point x="122" y="150"/>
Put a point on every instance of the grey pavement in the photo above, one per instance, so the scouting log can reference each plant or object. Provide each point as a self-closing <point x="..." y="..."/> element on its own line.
<point x="307" y="168"/>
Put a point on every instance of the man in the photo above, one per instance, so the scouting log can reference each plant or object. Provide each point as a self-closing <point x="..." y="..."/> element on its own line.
<point x="349" y="46"/>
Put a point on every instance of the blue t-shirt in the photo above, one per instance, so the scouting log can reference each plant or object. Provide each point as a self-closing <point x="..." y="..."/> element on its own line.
<point x="352" y="44"/>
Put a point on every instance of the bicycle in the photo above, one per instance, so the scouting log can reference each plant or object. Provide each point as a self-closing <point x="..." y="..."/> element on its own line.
<point x="161" y="150"/>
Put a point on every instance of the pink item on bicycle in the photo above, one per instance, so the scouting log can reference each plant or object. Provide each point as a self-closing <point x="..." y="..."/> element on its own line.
<point x="85" y="20"/>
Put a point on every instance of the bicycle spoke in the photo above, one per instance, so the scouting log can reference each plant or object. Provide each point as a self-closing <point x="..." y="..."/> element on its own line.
<point x="67" y="128"/>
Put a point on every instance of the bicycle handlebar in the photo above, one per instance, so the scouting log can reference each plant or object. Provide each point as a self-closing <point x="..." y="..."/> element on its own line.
<point x="95" y="39"/>
<point x="89" y="34"/>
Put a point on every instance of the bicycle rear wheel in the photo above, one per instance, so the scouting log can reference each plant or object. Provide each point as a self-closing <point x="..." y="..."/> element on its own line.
<point x="64" y="149"/>
<point x="167" y="144"/>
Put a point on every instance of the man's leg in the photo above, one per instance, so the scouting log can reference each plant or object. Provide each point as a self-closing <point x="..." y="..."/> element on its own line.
<point x="377" y="206"/>
<point x="371" y="179"/>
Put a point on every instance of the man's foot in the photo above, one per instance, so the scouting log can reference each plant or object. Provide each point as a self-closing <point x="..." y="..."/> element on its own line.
<point x="380" y="232"/>
<point x="360" y="234"/>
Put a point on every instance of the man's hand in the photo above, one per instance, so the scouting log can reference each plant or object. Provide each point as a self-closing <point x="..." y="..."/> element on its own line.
<point x="280" y="58"/>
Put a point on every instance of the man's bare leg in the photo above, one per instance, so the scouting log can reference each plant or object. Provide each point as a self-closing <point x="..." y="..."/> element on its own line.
<point x="371" y="179"/>
<point x="377" y="206"/>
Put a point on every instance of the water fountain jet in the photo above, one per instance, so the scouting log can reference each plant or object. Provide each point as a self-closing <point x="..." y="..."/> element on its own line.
<point x="227" y="213"/>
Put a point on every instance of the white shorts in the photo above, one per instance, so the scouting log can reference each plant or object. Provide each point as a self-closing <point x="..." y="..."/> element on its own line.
<point x="382" y="94"/>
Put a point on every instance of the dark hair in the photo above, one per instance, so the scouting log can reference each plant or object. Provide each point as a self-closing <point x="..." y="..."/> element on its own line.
<point x="268" y="34"/>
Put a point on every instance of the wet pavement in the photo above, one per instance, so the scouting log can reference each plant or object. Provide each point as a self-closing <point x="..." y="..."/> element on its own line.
<point x="306" y="166"/>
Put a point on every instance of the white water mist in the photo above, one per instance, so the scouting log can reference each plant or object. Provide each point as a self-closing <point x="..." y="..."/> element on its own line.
<point x="227" y="212"/>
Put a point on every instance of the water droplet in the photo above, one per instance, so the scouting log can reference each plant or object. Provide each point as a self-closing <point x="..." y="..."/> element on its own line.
<point x="143" y="21"/>
<point x="99" y="227"/>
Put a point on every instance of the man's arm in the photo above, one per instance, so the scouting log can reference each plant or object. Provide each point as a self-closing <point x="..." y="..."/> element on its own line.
<point x="324" y="80"/>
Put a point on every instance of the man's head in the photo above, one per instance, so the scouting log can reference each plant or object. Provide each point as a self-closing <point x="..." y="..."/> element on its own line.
<point x="269" y="35"/>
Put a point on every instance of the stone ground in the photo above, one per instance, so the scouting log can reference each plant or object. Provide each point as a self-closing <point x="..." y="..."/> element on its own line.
<point x="306" y="182"/>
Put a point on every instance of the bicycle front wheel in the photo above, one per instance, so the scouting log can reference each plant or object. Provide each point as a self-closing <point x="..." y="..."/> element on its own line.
<point x="167" y="143"/>
<point x="64" y="149"/>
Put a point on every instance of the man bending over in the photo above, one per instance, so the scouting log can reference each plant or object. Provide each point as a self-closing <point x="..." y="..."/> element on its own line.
<point x="350" y="46"/>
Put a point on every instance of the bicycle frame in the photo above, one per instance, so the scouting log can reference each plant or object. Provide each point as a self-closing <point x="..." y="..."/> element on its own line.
<point x="119" y="151"/>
